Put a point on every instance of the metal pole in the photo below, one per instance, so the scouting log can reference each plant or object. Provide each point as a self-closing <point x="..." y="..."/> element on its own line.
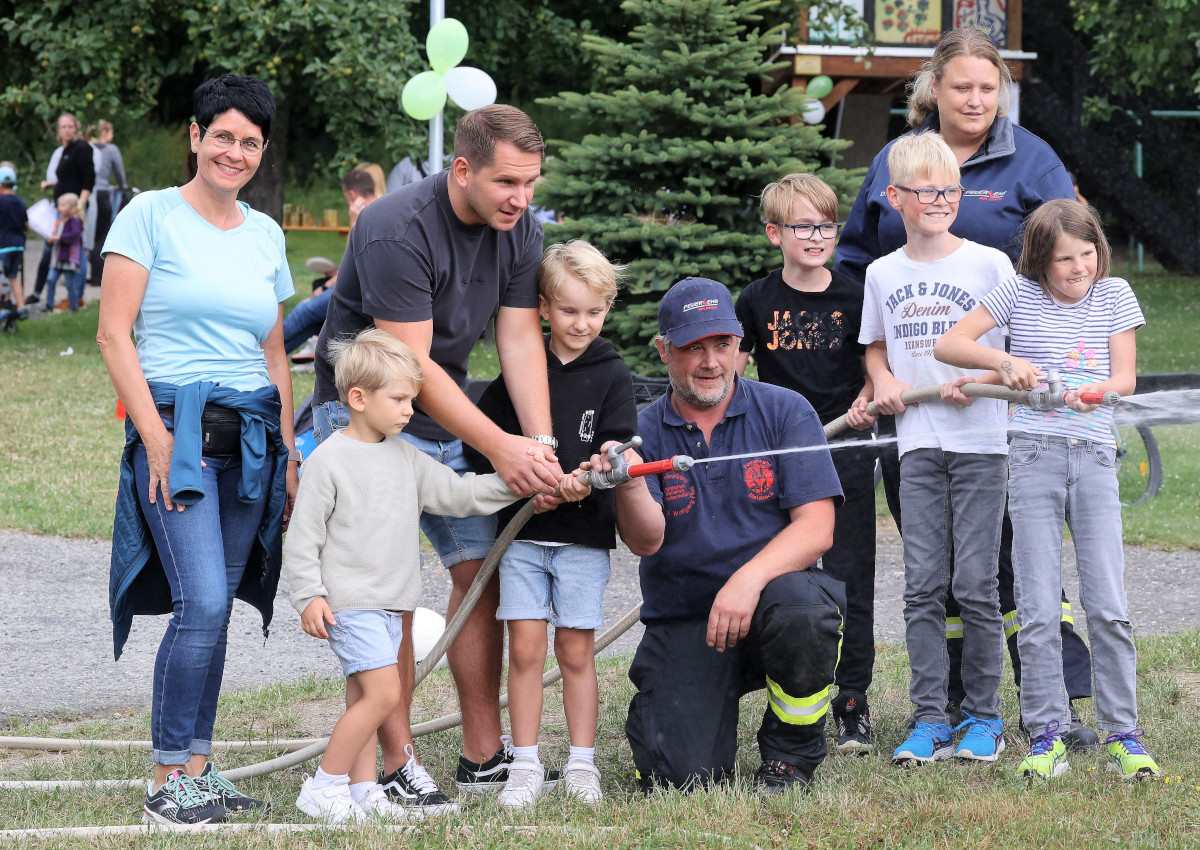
<point x="437" y="11"/>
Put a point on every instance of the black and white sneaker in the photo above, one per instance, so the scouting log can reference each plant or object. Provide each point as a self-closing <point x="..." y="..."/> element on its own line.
<point x="411" y="787"/>
<point x="491" y="775"/>
<point x="222" y="791"/>
<point x="852" y="716"/>
<point x="180" y="801"/>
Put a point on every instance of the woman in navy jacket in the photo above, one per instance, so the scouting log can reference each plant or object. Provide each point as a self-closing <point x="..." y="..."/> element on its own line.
<point x="964" y="92"/>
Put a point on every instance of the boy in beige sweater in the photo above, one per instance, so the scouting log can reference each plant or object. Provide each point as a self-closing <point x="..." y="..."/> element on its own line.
<point x="352" y="565"/>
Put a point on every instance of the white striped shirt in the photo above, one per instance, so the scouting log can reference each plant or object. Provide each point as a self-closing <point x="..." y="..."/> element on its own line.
<point x="1071" y="339"/>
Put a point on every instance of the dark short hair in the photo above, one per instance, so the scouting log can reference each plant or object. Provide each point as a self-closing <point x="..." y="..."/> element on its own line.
<point x="1052" y="220"/>
<point x="479" y="130"/>
<point x="248" y="95"/>
<point x="359" y="182"/>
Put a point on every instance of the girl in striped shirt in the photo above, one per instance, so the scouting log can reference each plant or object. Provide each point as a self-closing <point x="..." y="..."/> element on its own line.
<point x="1064" y="313"/>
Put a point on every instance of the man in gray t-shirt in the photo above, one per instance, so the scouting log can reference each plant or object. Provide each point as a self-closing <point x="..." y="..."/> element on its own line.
<point x="431" y="264"/>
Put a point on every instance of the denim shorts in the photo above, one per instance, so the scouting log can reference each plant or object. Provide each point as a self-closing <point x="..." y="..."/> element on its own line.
<point x="366" y="639"/>
<point x="455" y="539"/>
<point x="562" y="584"/>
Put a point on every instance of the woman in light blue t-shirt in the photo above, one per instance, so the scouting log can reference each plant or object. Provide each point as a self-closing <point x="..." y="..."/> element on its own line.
<point x="209" y="472"/>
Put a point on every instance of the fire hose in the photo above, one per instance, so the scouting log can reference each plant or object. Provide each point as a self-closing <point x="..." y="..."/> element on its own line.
<point x="1050" y="396"/>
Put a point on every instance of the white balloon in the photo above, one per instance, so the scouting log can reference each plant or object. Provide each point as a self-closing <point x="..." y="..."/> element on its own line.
<point x="469" y="87"/>
<point x="813" y="112"/>
<point x="427" y="627"/>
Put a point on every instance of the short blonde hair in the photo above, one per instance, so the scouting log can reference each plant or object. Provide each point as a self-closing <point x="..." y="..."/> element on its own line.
<point x="778" y="198"/>
<point x="70" y="197"/>
<point x="371" y="361"/>
<point x="964" y="41"/>
<point x="1042" y="230"/>
<point x="921" y="155"/>
<point x="580" y="259"/>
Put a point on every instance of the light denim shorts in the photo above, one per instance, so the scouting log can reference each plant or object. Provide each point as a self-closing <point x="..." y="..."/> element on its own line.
<point x="455" y="539"/>
<point x="366" y="639"/>
<point x="561" y="584"/>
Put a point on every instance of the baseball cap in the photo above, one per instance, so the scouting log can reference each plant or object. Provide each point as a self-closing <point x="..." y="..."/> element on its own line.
<point x="694" y="308"/>
<point x="7" y="176"/>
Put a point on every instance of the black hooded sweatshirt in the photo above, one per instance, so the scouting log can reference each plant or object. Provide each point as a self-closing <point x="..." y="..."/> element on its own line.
<point x="591" y="402"/>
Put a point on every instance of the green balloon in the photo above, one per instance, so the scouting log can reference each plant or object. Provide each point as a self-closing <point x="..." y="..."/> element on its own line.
<point x="424" y="96"/>
<point x="446" y="44"/>
<point x="819" y="86"/>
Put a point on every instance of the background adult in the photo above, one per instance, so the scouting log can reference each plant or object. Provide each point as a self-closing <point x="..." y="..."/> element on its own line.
<point x="198" y="278"/>
<point x="110" y="179"/>
<point x="308" y="317"/>
<point x="964" y="92"/>
<point x="72" y="170"/>
<point x="432" y="264"/>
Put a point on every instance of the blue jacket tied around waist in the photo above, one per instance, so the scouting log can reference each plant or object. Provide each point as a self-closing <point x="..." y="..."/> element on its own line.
<point x="137" y="584"/>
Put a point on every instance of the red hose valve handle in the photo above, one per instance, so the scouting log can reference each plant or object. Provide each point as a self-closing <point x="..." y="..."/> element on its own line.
<point x="622" y="472"/>
<point x="1109" y="399"/>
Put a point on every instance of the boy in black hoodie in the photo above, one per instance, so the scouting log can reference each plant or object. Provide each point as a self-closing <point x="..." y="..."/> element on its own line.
<point x="557" y="568"/>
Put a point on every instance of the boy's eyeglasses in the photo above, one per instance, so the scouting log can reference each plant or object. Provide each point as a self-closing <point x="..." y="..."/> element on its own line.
<point x="928" y="196"/>
<point x="223" y="140"/>
<point x="828" y="230"/>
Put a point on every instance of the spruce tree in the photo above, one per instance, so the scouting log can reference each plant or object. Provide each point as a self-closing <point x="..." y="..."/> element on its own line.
<point x="684" y="142"/>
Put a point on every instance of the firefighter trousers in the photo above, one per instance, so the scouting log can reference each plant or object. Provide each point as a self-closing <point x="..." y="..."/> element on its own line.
<point x="682" y="724"/>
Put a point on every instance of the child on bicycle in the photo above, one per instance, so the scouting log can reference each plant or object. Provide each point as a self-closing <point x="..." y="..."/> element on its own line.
<point x="1064" y="313"/>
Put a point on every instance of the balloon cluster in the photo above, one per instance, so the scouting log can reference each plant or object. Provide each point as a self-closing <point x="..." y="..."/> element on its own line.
<point x="818" y="87"/>
<point x="424" y="96"/>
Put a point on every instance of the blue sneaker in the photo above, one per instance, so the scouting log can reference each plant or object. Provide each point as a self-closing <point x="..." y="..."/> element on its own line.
<point x="928" y="742"/>
<point x="983" y="740"/>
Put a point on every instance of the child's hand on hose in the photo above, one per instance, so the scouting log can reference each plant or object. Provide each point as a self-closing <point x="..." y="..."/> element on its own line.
<point x="574" y="490"/>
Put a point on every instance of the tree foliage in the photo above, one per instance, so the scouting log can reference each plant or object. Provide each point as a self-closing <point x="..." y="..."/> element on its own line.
<point x="1144" y="49"/>
<point x="684" y="141"/>
<point x="336" y="67"/>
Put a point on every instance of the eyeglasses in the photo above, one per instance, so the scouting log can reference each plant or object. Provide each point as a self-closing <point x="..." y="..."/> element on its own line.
<point x="828" y="230"/>
<point x="251" y="145"/>
<point x="928" y="196"/>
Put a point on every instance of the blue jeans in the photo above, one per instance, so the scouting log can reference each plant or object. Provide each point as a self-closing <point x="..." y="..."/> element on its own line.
<point x="561" y="584"/>
<point x="305" y="320"/>
<point x="952" y="503"/>
<point x="75" y="282"/>
<point x="203" y="550"/>
<point x="456" y="539"/>
<point x="1053" y="480"/>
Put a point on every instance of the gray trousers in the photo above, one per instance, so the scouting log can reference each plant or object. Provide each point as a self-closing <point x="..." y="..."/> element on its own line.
<point x="952" y="502"/>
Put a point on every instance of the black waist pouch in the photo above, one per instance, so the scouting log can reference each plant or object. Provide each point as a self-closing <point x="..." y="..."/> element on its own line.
<point x="220" y="431"/>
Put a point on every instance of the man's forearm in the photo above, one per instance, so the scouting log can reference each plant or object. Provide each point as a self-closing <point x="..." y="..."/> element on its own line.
<point x="522" y="353"/>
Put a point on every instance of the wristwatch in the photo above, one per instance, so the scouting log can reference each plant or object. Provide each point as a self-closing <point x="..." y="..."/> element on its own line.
<point x="295" y="455"/>
<point x="545" y="440"/>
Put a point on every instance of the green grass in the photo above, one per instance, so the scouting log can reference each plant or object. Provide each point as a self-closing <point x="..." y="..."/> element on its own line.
<point x="856" y="802"/>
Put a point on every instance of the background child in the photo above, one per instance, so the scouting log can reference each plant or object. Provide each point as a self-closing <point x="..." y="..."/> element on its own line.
<point x="13" y="221"/>
<point x="801" y="323"/>
<point x="67" y="244"/>
<point x="558" y="567"/>
<point x="953" y="455"/>
<point x="1064" y="313"/>
<point x="352" y="563"/>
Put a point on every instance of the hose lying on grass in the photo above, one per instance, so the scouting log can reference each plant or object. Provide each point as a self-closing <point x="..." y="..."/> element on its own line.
<point x="298" y="751"/>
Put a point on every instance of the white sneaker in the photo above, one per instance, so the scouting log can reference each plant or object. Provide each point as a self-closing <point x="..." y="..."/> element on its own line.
<point x="333" y="804"/>
<point x="583" y="781"/>
<point x="377" y="804"/>
<point x="524" y="785"/>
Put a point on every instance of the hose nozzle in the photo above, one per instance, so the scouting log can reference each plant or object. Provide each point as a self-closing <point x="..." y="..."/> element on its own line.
<point x="1054" y="395"/>
<point x="623" y="472"/>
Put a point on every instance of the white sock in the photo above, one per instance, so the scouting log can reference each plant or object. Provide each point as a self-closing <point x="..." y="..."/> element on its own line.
<point x="587" y="754"/>
<point x="359" y="790"/>
<point x="526" y="754"/>
<point x="321" y="779"/>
